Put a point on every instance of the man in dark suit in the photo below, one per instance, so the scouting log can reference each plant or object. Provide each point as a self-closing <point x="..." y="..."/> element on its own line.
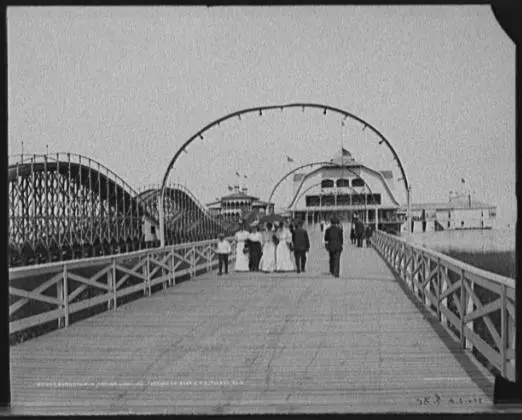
<point x="301" y="246"/>
<point x="359" y="232"/>
<point x="333" y="239"/>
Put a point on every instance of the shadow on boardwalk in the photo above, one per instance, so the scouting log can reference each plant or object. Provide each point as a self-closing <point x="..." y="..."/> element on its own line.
<point x="255" y="343"/>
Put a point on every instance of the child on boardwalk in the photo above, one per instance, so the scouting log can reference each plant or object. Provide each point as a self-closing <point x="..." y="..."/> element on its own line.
<point x="223" y="250"/>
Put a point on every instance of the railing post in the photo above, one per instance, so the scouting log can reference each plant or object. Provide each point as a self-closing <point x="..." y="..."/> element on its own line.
<point x="428" y="284"/>
<point x="511" y="337"/>
<point x="63" y="296"/>
<point x="172" y="269"/>
<point x="165" y="272"/>
<point x="411" y="277"/>
<point x="149" y="291"/>
<point x="209" y="257"/>
<point x="503" y="332"/>
<point x="466" y="305"/>
<point x="469" y="309"/>
<point x="193" y="262"/>
<point x="111" y="283"/>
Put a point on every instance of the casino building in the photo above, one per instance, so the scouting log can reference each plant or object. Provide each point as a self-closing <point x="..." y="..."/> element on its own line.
<point x="354" y="188"/>
<point x="351" y="188"/>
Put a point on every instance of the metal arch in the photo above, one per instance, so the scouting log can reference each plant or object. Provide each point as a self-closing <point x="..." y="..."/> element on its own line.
<point x="346" y="114"/>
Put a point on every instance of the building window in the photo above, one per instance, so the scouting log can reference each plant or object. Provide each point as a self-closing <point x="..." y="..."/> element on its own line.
<point x="343" y="182"/>
<point x="357" y="182"/>
<point x="374" y="199"/>
<point x="327" y="183"/>
<point x="313" y="200"/>
<point x="328" y="200"/>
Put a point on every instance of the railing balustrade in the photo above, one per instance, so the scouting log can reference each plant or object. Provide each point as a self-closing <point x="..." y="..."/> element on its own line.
<point x="43" y="293"/>
<point x="476" y="307"/>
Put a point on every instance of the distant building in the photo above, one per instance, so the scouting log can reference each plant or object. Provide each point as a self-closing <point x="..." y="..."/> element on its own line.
<point x="237" y="205"/>
<point x="352" y="188"/>
<point x="454" y="215"/>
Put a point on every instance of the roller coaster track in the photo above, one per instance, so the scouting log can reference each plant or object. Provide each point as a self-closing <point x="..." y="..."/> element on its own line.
<point x="66" y="205"/>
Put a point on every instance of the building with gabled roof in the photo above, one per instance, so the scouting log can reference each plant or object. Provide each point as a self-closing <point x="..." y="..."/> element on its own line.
<point x="238" y="205"/>
<point x="346" y="190"/>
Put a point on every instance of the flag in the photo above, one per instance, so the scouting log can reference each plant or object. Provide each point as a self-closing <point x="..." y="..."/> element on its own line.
<point x="237" y="173"/>
<point x="246" y="177"/>
<point x="289" y="159"/>
<point x="346" y="152"/>
<point x="463" y="180"/>
<point x="230" y="188"/>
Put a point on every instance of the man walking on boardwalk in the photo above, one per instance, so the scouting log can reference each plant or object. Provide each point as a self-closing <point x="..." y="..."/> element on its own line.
<point x="333" y="239"/>
<point x="301" y="246"/>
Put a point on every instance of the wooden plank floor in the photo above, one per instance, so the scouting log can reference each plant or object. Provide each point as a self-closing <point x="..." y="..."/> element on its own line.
<point x="255" y="343"/>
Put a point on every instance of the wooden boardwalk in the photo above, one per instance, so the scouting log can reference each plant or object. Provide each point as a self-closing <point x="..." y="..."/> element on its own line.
<point x="256" y="343"/>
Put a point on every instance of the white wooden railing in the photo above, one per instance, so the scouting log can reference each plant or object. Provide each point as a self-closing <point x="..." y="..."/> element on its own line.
<point x="476" y="307"/>
<point x="50" y="292"/>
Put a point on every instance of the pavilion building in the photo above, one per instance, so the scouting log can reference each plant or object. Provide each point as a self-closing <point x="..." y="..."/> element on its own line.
<point x="239" y="204"/>
<point x="345" y="190"/>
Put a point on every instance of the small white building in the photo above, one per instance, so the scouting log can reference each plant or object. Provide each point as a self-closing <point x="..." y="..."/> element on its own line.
<point x="453" y="215"/>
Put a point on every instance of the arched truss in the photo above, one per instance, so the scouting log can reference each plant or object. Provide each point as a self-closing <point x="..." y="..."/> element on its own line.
<point x="260" y="110"/>
<point x="66" y="205"/>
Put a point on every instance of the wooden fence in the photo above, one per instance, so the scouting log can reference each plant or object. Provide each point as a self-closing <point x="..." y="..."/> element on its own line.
<point x="476" y="307"/>
<point x="40" y="294"/>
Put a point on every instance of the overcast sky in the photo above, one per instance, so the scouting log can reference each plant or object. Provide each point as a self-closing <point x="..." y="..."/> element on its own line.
<point x="128" y="85"/>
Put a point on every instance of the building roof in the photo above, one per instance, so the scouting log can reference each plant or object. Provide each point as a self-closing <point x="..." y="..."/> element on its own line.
<point x="236" y="195"/>
<point x="452" y="205"/>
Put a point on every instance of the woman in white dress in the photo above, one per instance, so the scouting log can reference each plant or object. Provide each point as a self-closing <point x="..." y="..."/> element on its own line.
<point x="267" y="263"/>
<point x="241" y="257"/>
<point x="283" y="257"/>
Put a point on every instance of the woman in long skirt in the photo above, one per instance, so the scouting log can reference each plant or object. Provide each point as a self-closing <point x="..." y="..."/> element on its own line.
<point x="267" y="263"/>
<point x="283" y="257"/>
<point x="241" y="256"/>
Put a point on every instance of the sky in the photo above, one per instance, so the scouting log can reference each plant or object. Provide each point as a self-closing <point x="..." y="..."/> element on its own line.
<point x="127" y="86"/>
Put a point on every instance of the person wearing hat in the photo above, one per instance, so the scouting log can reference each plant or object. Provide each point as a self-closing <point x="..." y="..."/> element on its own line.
<point x="359" y="231"/>
<point x="301" y="246"/>
<point x="333" y="238"/>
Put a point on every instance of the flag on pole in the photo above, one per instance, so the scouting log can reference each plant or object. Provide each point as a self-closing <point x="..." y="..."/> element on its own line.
<point x="463" y="180"/>
<point x="289" y="159"/>
<point x="245" y="177"/>
<point x="346" y="152"/>
<point x="230" y="188"/>
<point x="237" y="173"/>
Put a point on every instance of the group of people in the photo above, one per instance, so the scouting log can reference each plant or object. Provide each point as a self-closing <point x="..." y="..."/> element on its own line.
<point x="359" y="232"/>
<point x="269" y="250"/>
